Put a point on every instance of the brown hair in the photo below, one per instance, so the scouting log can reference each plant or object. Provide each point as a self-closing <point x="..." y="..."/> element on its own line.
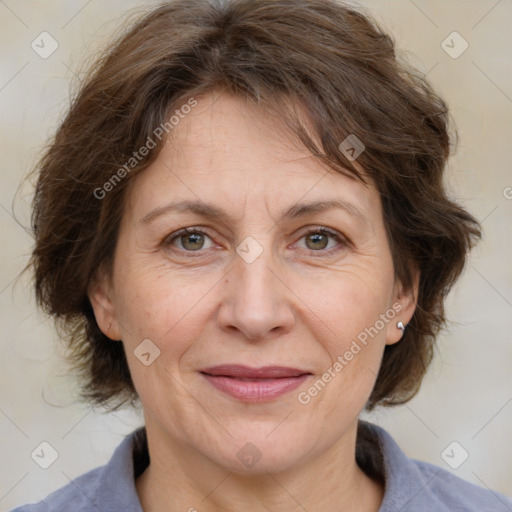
<point x="330" y="59"/>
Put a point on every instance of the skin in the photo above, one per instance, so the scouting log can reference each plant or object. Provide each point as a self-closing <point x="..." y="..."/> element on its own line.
<point x="295" y="305"/>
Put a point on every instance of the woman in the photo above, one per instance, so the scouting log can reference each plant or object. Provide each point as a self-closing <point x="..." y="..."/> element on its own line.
<point x="242" y="223"/>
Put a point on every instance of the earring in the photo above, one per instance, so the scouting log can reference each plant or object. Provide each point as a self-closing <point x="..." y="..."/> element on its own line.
<point x="401" y="326"/>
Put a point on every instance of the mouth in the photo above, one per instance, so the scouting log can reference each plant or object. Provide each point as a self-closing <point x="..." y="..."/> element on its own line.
<point x="255" y="384"/>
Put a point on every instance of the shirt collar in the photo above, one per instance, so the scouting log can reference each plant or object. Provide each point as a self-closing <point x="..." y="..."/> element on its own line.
<point x="406" y="487"/>
<point x="117" y="481"/>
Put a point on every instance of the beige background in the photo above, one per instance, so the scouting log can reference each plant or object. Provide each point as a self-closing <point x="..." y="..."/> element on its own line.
<point x="467" y="395"/>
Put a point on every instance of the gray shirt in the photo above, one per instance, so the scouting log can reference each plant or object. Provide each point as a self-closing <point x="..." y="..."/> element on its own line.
<point x="410" y="485"/>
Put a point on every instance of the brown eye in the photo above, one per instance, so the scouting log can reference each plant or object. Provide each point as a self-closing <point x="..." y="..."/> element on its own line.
<point x="192" y="241"/>
<point x="189" y="240"/>
<point x="317" y="241"/>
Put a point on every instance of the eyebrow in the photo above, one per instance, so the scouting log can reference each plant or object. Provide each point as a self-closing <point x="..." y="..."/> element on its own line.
<point x="214" y="212"/>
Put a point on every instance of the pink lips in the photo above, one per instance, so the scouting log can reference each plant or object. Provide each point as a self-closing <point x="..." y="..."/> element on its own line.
<point x="255" y="384"/>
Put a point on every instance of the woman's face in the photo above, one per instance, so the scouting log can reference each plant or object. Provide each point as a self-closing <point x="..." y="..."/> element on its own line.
<point x="249" y="286"/>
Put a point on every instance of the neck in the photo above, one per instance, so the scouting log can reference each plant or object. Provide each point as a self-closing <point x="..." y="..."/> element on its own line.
<point x="179" y="478"/>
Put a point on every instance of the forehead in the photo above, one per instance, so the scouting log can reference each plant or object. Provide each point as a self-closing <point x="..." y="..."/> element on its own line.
<point x="227" y="149"/>
<point x="230" y="129"/>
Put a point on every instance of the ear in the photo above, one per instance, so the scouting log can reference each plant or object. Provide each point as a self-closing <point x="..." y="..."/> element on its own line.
<point x="100" y="294"/>
<point x="404" y="303"/>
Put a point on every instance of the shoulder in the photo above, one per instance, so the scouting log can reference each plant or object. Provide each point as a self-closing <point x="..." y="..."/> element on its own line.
<point x="80" y="492"/>
<point x="415" y="486"/>
<point x="443" y="487"/>
<point x="109" y="487"/>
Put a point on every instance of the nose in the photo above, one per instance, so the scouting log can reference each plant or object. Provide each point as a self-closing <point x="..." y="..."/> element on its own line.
<point x="256" y="299"/>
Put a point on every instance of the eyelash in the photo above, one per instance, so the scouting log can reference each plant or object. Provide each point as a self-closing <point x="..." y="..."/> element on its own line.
<point x="343" y="242"/>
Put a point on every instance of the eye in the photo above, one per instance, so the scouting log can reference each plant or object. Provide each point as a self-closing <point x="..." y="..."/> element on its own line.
<point x="317" y="239"/>
<point x="190" y="239"/>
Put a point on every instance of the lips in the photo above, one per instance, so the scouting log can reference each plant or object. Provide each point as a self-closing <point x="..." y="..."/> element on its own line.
<point x="254" y="384"/>
<point x="246" y="372"/>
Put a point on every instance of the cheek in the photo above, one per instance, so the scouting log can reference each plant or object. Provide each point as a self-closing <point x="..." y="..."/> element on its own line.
<point x="165" y="309"/>
<point x="171" y="309"/>
<point x="160" y="304"/>
<point x="355" y="308"/>
<point x="351" y="302"/>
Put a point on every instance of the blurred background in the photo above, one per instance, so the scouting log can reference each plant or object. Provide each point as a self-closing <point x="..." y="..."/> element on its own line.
<point x="462" y="418"/>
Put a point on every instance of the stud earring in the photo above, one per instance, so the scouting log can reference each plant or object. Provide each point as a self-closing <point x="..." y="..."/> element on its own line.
<point x="401" y="326"/>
